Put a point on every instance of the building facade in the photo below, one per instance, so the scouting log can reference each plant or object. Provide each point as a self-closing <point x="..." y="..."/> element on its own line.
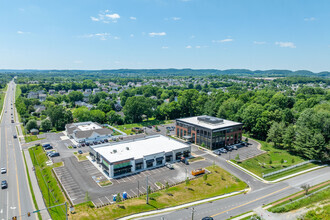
<point x="209" y="131"/>
<point x="128" y="157"/>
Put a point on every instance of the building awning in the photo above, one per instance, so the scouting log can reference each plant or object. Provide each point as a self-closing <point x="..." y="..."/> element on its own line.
<point x="150" y="161"/>
<point x="187" y="137"/>
<point x="160" y="158"/>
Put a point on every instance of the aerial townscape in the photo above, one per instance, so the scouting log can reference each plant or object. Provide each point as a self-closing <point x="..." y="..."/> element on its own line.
<point x="164" y="110"/>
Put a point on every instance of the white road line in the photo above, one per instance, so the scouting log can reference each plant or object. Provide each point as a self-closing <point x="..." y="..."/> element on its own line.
<point x="144" y="188"/>
<point x="101" y="201"/>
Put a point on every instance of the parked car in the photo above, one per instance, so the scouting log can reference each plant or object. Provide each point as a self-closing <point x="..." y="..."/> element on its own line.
<point x="217" y="152"/>
<point x="169" y="165"/>
<point x="228" y="148"/>
<point x="48" y="147"/>
<point x="80" y="151"/>
<point x="102" y="141"/>
<point x="45" y="145"/>
<point x="223" y="150"/>
<point x="4" y="184"/>
<point x="54" y="154"/>
<point x="14" y="136"/>
<point x="3" y="170"/>
<point x="87" y="144"/>
<point x="106" y="140"/>
<point x="234" y="147"/>
<point x="83" y="144"/>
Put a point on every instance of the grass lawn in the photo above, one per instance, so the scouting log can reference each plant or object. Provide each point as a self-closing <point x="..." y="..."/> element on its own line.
<point x="45" y="177"/>
<point x="127" y="128"/>
<point x="319" y="213"/>
<point x="319" y="198"/>
<point x="30" y="138"/>
<point x="270" y="161"/>
<point x="194" y="159"/>
<point x="177" y="195"/>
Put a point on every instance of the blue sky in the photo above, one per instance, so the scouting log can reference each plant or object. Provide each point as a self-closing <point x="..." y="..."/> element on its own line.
<point x="108" y="34"/>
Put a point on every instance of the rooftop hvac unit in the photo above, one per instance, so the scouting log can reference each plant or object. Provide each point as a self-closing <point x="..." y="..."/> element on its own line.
<point x="114" y="151"/>
<point x="127" y="148"/>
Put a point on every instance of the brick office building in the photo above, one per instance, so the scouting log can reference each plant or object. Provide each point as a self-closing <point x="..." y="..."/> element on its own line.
<point x="213" y="132"/>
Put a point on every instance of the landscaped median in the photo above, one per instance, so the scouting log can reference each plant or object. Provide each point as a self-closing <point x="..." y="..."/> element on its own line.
<point x="219" y="182"/>
<point x="274" y="160"/>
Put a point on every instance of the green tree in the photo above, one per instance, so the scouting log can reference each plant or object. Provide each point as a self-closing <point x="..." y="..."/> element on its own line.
<point x="97" y="116"/>
<point x="59" y="116"/>
<point x="31" y="125"/>
<point x="115" y="118"/>
<point x="136" y="107"/>
<point x="289" y="137"/>
<point x="46" y="125"/>
<point x="275" y="133"/>
<point x="82" y="114"/>
<point x="188" y="100"/>
<point x="75" y="96"/>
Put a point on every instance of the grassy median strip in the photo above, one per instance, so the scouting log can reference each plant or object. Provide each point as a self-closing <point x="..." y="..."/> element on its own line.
<point x="319" y="197"/>
<point x="217" y="183"/>
<point x="31" y="188"/>
<point x="30" y="138"/>
<point x="49" y="187"/>
<point x="194" y="159"/>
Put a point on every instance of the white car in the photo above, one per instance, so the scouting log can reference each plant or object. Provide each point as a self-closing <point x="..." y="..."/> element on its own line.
<point x="3" y="170"/>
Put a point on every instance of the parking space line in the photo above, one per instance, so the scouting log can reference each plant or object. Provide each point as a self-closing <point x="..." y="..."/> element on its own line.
<point x="101" y="201"/>
<point x="133" y="192"/>
<point x="144" y="188"/>
<point x="107" y="199"/>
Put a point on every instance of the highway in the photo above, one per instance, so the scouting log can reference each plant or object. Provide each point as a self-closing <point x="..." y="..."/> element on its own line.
<point x="236" y="205"/>
<point x="16" y="200"/>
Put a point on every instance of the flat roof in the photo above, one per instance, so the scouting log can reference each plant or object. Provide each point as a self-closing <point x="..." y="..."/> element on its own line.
<point x="88" y="127"/>
<point x="214" y="123"/>
<point x="138" y="148"/>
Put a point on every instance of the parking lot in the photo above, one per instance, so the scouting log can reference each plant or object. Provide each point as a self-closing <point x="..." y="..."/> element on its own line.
<point x="244" y="152"/>
<point x="77" y="178"/>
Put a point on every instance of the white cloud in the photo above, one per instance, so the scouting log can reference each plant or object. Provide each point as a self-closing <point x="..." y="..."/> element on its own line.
<point x="132" y="18"/>
<point x="164" y="47"/>
<point x="198" y="47"/>
<point x="153" y="34"/>
<point x="188" y="47"/>
<point x="259" y="42"/>
<point x="95" y="19"/>
<point x="106" y="17"/>
<point x="310" y="19"/>
<point x="132" y="35"/>
<point x="223" y="41"/>
<point x="101" y="36"/>
<point x="176" y="18"/>
<point x="77" y="61"/>
<point x="285" y="44"/>
<point x="22" y="32"/>
<point x="116" y="38"/>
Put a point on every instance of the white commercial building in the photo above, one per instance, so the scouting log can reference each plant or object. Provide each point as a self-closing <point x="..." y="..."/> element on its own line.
<point x="127" y="157"/>
<point x="87" y="131"/>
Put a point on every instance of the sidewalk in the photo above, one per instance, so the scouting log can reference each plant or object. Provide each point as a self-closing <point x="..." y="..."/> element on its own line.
<point x="41" y="205"/>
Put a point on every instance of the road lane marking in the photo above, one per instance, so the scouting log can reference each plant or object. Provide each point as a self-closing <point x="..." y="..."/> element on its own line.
<point x="251" y="201"/>
<point x="19" y="199"/>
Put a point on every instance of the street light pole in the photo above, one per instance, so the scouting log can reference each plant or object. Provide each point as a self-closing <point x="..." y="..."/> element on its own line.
<point x="192" y="213"/>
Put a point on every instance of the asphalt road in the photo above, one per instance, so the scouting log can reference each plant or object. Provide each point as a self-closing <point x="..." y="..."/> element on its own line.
<point x="16" y="199"/>
<point x="232" y="206"/>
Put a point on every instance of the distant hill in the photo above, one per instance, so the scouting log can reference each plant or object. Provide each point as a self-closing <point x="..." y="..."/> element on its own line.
<point x="175" y="72"/>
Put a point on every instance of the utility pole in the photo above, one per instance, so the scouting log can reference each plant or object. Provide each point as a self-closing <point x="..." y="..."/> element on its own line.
<point x="192" y="213"/>
<point x="147" y="190"/>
